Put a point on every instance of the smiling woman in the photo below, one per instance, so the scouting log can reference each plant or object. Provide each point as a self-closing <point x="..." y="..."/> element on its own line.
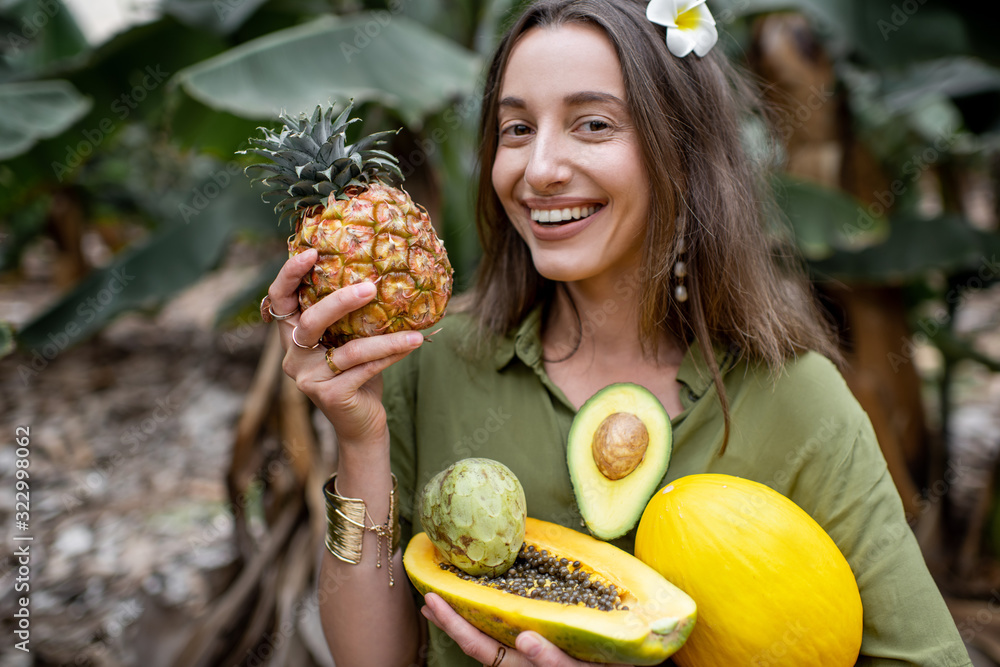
<point x="623" y="233"/>
<point x="568" y="167"/>
<point x="588" y="105"/>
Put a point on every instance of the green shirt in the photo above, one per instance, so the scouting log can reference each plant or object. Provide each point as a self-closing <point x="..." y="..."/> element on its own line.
<point x="803" y="434"/>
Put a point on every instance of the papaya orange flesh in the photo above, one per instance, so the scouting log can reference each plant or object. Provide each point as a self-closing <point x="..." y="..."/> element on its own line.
<point x="656" y="623"/>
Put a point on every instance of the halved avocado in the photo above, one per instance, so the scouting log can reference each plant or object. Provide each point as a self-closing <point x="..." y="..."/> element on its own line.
<point x="657" y="622"/>
<point x="618" y="451"/>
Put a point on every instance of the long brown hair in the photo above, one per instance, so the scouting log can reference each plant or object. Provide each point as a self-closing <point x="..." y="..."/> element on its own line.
<point x="687" y="113"/>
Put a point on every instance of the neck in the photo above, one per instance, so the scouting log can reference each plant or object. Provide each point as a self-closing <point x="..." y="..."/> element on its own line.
<point x="599" y="320"/>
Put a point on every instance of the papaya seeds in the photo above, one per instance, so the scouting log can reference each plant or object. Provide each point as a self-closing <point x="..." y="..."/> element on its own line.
<point x="539" y="575"/>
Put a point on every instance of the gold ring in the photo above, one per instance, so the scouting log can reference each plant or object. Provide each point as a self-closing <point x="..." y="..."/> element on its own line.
<point x="329" y="362"/>
<point x="268" y="315"/>
<point x="298" y="344"/>
<point x="501" y="652"/>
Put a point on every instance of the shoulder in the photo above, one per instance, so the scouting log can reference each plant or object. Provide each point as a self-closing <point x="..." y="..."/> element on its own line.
<point x="806" y="387"/>
<point x="805" y="376"/>
<point x="804" y="411"/>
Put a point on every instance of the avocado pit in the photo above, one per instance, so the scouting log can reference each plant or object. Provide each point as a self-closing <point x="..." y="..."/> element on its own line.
<point x="619" y="445"/>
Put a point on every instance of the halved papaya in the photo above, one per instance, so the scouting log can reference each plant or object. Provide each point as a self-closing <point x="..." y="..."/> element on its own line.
<point x="653" y="620"/>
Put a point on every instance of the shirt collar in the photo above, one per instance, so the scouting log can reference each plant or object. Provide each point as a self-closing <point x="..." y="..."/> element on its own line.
<point x="526" y="342"/>
<point x="694" y="373"/>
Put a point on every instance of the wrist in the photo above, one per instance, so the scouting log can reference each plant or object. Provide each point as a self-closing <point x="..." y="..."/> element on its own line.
<point x="370" y="444"/>
<point x="363" y="466"/>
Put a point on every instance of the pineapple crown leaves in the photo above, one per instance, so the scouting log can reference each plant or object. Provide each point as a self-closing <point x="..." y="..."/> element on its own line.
<point x="310" y="159"/>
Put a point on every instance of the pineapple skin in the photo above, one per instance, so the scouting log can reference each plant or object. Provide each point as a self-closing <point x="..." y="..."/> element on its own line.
<point x="377" y="234"/>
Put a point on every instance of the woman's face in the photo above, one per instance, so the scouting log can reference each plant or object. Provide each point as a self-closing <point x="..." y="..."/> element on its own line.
<point x="568" y="167"/>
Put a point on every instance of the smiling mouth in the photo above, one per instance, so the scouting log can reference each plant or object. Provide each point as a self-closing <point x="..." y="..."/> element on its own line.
<point x="562" y="216"/>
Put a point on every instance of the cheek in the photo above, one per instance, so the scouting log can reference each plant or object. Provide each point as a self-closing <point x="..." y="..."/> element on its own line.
<point x="502" y="174"/>
<point x="629" y="171"/>
<point x="495" y="174"/>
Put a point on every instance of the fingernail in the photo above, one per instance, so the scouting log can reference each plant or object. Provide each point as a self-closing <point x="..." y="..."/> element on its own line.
<point x="414" y="338"/>
<point x="364" y="290"/>
<point x="529" y="645"/>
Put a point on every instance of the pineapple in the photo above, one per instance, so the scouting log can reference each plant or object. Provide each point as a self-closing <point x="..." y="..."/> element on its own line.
<point x="342" y="203"/>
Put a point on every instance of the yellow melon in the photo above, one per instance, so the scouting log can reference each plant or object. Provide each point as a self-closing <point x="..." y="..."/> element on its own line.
<point x="771" y="586"/>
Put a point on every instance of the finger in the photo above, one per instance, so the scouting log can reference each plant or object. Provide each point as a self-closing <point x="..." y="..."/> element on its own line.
<point x="540" y="651"/>
<point x="473" y="643"/>
<point x="366" y="350"/>
<point x="302" y="341"/>
<point x="283" y="290"/>
<point x="429" y="615"/>
<point x="543" y="653"/>
<point x="316" y="378"/>
<point x="314" y="320"/>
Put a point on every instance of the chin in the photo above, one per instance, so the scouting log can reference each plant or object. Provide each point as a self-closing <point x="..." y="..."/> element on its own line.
<point x="562" y="274"/>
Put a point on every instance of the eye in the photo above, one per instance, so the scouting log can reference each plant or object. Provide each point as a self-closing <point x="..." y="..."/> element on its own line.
<point x="516" y="130"/>
<point x="597" y="125"/>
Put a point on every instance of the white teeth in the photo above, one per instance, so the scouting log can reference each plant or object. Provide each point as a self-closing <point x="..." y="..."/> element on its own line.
<point x="562" y="215"/>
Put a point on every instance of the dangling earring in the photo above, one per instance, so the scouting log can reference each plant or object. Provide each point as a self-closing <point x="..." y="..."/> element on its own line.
<point x="680" y="271"/>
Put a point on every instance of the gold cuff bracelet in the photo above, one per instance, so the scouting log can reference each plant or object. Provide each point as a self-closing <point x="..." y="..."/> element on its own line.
<point x="345" y="526"/>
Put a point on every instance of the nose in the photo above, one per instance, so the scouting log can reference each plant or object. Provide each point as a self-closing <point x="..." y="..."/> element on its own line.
<point x="548" y="167"/>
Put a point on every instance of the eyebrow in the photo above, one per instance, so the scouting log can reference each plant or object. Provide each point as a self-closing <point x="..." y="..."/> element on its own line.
<point x="572" y="100"/>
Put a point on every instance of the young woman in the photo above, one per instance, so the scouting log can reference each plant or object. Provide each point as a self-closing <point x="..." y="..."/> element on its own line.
<point x="623" y="241"/>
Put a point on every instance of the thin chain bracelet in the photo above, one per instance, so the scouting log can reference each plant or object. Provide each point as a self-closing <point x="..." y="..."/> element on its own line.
<point x="345" y="526"/>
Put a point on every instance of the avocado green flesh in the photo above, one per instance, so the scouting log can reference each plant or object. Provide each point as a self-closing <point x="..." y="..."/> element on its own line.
<point x="612" y="508"/>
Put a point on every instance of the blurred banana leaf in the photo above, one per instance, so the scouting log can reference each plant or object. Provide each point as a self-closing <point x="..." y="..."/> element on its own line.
<point x="420" y="63"/>
<point x="35" y="110"/>
<point x="885" y="34"/>
<point x="38" y="38"/>
<point x="949" y="104"/>
<point x="916" y="246"/>
<point x="373" y="57"/>
<point x="221" y="17"/>
<point x="951" y="77"/>
<point x="824" y="220"/>
<point x="453" y="158"/>
<point x="174" y="258"/>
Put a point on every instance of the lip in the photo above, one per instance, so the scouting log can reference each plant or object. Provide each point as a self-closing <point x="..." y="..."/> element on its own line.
<point x="563" y="231"/>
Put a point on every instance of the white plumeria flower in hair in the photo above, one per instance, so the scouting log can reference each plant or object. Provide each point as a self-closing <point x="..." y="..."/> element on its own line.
<point x="690" y="26"/>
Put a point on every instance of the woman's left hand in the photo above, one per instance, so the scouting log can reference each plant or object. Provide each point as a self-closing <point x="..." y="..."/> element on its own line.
<point x="532" y="649"/>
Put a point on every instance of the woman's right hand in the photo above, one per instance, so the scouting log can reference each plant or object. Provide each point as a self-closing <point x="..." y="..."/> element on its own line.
<point x="352" y="398"/>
